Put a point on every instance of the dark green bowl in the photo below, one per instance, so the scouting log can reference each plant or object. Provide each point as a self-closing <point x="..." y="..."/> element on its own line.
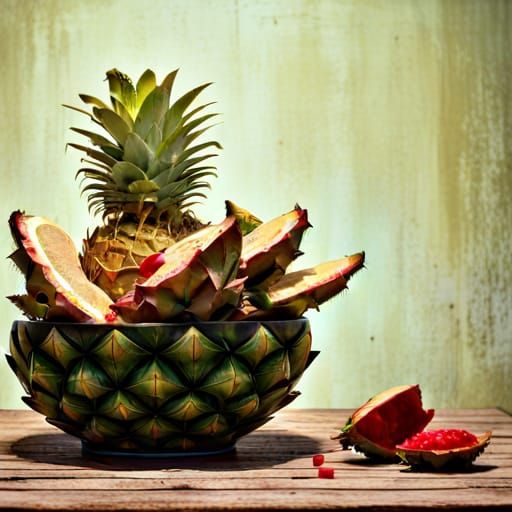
<point x="159" y="389"/>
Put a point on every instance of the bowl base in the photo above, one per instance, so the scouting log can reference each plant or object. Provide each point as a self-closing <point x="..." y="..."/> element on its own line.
<point x="87" y="449"/>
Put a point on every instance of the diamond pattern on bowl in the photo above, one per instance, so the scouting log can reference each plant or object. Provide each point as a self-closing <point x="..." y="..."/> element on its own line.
<point x="159" y="387"/>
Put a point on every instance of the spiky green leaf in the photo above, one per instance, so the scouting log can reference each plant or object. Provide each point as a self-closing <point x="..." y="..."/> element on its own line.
<point x="93" y="153"/>
<point x="124" y="173"/>
<point x="143" y="187"/>
<point x="136" y="151"/>
<point x="91" y="100"/>
<point x="154" y="137"/>
<point x="195" y="149"/>
<point x="113" y="123"/>
<point x="151" y="111"/>
<point x="145" y="84"/>
<point x="175" y="113"/>
<point x="121" y="91"/>
<point x="95" y="138"/>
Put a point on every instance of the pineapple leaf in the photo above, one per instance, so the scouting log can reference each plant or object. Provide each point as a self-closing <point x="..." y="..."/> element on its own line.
<point x="155" y="169"/>
<point x="181" y="194"/>
<point x="113" y="151"/>
<point x="154" y="136"/>
<point x="198" y="173"/>
<point x="170" y="145"/>
<point x="88" y="114"/>
<point x="98" y="155"/>
<point x="188" y="205"/>
<point x="193" y="112"/>
<point x="97" y="206"/>
<point x="175" y="113"/>
<point x="198" y="121"/>
<point x="167" y="179"/>
<point x="195" y="194"/>
<point x="194" y="135"/>
<point x="146" y="83"/>
<point x="113" y="123"/>
<point x="124" y="173"/>
<point x="95" y="138"/>
<point x="125" y="115"/>
<point x="168" y="82"/>
<point x="121" y="91"/>
<point x="176" y="172"/>
<point x="151" y="111"/>
<point x="94" y="174"/>
<point x="142" y="187"/>
<point x="177" y="141"/>
<point x="98" y="164"/>
<point x="91" y="100"/>
<point x="136" y="151"/>
<point x="189" y="152"/>
<point x="98" y="187"/>
<point x="172" y="190"/>
<point x="115" y="196"/>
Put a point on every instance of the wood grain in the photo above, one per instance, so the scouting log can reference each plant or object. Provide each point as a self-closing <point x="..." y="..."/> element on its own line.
<point x="42" y="468"/>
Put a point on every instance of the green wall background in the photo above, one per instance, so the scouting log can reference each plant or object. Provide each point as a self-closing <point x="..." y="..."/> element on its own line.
<point x="390" y="121"/>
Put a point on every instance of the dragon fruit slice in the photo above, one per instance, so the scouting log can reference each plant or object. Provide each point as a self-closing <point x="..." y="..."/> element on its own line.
<point x="385" y="421"/>
<point x="195" y="277"/>
<point x="390" y="426"/>
<point x="57" y="287"/>
<point x="442" y="448"/>
<point x="298" y="291"/>
<point x="269" y="248"/>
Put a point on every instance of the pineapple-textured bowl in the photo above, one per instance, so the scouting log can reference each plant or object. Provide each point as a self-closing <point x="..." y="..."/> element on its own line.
<point x="159" y="388"/>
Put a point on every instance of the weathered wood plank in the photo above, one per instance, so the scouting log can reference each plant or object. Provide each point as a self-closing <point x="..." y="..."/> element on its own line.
<point x="259" y="499"/>
<point x="199" y="482"/>
<point x="271" y="470"/>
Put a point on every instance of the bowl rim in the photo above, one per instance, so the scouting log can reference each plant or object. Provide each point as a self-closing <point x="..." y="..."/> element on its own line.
<point x="302" y="319"/>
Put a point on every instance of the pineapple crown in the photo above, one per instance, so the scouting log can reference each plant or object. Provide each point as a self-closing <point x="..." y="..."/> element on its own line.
<point x="149" y="166"/>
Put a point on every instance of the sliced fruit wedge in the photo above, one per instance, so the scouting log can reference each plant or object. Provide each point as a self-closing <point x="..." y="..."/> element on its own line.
<point x="454" y="448"/>
<point x="56" y="284"/>
<point x="385" y="421"/>
<point x="298" y="291"/>
<point x="271" y="247"/>
<point x="197" y="275"/>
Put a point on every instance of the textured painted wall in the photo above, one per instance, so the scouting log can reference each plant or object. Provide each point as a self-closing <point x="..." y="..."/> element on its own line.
<point x="390" y="121"/>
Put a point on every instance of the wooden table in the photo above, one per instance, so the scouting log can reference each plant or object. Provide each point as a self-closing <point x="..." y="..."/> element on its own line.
<point x="42" y="468"/>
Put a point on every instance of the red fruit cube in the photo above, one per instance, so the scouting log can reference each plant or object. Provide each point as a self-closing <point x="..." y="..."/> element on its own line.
<point x="318" y="459"/>
<point x="325" y="472"/>
<point x="111" y="317"/>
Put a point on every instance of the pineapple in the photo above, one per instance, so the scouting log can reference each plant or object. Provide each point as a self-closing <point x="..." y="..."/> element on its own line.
<point x="144" y="178"/>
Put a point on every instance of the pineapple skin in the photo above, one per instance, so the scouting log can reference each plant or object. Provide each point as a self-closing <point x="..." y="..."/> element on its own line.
<point x="112" y="254"/>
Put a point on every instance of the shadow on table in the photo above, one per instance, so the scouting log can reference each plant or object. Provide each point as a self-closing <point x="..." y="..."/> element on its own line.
<point x="258" y="450"/>
<point x="475" y="468"/>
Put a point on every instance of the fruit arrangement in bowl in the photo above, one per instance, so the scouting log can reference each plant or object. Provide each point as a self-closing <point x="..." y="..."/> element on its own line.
<point x="166" y="334"/>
